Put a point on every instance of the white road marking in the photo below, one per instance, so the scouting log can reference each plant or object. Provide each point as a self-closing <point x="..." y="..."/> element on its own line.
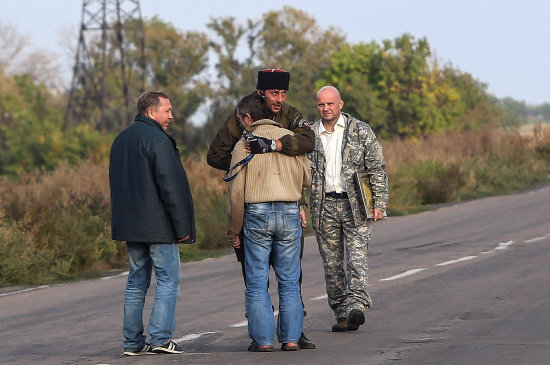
<point x="25" y="290"/>
<point x="245" y="323"/>
<point x="193" y="336"/>
<point x="535" y="239"/>
<point x="239" y="324"/>
<point x="402" y="275"/>
<point x="450" y="262"/>
<point x="320" y="297"/>
<point x="503" y="245"/>
<point x="125" y="273"/>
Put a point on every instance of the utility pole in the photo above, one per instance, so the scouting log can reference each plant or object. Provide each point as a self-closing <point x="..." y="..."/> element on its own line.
<point x="101" y="52"/>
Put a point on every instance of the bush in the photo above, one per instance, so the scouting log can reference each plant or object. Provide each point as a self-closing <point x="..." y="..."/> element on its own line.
<point x="454" y="167"/>
<point x="60" y="223"/>
<point x="55" y="226"/>
<point x="209" y="197"/>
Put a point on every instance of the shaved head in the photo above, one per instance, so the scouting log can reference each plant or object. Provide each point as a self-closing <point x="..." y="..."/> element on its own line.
<point x="331" y="90"/>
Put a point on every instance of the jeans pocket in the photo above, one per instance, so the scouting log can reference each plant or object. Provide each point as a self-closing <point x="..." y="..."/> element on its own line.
<point x="291" y="223"/>
<point x="256" y="224"/>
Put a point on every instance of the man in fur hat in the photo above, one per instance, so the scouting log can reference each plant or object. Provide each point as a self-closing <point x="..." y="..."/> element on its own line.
<point x="272" y="86"/>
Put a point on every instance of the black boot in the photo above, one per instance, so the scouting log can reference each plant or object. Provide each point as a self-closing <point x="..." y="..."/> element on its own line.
<point x="305" y="343"/>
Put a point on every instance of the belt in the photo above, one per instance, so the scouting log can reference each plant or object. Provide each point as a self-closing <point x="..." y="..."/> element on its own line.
<point x="336" y="195"/>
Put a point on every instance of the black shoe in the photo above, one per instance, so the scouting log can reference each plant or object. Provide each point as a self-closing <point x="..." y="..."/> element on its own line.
<point x="355" y="319"/>
<point x="253" y="348"/>
<point x="145" y="350"/>
<point x="289" y="347"/>
<point x="168" y="348"/>
<point x="341" y="325"/>
<point x="305" y="343"/>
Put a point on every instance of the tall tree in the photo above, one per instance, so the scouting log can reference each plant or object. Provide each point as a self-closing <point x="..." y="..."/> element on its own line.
<point x="292" y="40"/>
<point x="403" y="92"/>
<point x="18" y="57"/>
<point x="31" y="136"/>
<point x="175" y="62"/>
<point x="289" y="39"/>
<point x="235" y="73"/>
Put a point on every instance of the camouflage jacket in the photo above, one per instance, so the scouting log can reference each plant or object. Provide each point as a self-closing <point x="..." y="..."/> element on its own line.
<point x="360" y="152"/>
<point x="219" y="153"/>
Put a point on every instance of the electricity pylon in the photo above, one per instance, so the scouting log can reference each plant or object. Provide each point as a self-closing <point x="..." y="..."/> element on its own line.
<point x="101" y="52"/>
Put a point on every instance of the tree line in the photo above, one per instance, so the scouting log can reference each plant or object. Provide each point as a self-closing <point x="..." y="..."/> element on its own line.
<point x="397" y="85"/>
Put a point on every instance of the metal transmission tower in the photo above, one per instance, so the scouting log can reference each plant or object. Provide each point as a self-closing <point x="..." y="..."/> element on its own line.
<point x="103" y="51"/>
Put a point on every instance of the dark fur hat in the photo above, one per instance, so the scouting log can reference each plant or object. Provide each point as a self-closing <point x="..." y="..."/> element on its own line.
<point x="273" y="78"/>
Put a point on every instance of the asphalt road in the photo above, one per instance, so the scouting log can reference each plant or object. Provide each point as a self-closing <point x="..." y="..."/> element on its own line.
<point x="464" y="284"/>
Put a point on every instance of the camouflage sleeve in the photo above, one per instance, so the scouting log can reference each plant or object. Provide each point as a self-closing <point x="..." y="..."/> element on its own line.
<point x="376" y="166"/>
<point x="219" y="153"/>
<point x="303" y="140"/>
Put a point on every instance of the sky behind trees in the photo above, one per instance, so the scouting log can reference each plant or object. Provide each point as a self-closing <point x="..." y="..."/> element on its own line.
<point x="501" y="43"/>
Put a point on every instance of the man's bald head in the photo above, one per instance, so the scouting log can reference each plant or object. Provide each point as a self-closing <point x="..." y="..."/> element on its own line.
<point x="329" y="90"/>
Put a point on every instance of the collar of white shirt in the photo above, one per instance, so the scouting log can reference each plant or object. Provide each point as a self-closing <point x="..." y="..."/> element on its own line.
<point x="340" y="122"/>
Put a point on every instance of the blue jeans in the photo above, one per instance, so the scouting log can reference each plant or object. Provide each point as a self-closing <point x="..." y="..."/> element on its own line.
<point x="165" y="258"/>
<point x="273" y="229"/>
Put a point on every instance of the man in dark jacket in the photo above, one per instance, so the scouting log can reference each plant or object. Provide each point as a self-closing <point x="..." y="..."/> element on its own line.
<point x="272" y="86"/>
<point x="152" y="210"/>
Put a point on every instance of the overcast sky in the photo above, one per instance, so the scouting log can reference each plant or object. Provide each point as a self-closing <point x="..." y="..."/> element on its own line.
<point x="502" y="43"/>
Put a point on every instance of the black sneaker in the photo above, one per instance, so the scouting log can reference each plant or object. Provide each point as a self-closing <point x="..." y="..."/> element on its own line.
<point x="168" y="348"/>
<point x="145" y="350"/>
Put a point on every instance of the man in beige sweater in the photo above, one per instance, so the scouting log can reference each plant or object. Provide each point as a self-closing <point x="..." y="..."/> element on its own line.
<point x="263" y="204"/>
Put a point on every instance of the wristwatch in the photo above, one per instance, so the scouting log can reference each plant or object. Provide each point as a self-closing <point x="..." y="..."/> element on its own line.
<point x="273" y="146"/>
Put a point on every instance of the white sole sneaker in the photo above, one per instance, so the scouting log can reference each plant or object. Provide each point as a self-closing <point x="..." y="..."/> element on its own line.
<point x="169" y="348"/>
<point x="145" y="350"/>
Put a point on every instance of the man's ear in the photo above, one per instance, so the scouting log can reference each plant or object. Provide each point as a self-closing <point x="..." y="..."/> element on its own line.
<point x="247" y="119"/>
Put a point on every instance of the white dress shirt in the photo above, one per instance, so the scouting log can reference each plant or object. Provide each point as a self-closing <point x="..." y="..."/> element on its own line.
<point x="332" y="144"/>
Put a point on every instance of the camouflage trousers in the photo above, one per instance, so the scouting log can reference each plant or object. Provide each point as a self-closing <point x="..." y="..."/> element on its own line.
<point x="343" y="247"/>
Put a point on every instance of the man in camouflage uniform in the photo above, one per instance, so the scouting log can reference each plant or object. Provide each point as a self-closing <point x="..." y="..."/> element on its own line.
<point x="272" y="86"/>
<point x="344" y="145"/>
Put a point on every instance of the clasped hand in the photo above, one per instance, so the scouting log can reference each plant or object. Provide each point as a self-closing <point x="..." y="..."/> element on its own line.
<point x="259" y="145"/>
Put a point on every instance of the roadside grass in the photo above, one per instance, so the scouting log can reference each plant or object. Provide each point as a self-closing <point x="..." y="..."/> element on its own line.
<point x="55" y="226"/>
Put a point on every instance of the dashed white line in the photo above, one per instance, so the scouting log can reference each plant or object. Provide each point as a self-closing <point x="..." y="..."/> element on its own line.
<point x="501" y="246"/>
<point x="320" y="297"/>
<point x="239" y="324"/>
<point x="125" y="273"/>
<point x="245" y="323"/>
<point x="535" y="239"/>
<point x="450" y="262"/>
<point x="25" y="290"/>
<point x="402" y="275"/>
<point x="194" y="336"/>
<point x="504" y="245"/>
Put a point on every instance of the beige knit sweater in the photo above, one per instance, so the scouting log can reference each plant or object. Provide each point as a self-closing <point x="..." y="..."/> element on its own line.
<point x="268" y="177"/>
